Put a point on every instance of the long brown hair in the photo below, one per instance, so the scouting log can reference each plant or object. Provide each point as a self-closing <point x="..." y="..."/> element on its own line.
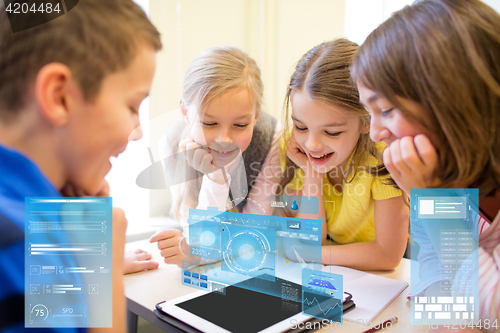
<point x="445" y="55"/>
<point x="323" y="74"/>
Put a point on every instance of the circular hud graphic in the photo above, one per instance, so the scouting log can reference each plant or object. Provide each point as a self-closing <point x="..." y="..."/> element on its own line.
<point x="246" y="251"/>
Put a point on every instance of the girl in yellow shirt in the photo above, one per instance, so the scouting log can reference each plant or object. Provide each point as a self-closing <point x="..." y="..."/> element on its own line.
<point x="327" y="153"/>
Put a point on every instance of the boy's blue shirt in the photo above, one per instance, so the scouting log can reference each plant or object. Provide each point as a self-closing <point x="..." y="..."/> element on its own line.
<point x="19" y="178"/>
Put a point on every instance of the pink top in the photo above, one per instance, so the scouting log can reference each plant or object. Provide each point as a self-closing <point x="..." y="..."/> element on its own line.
<point x="489" y="273"/>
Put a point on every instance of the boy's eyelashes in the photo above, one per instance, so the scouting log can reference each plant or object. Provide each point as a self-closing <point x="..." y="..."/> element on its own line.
<point x="133" y="110"/>
<point x="301" y="129"/>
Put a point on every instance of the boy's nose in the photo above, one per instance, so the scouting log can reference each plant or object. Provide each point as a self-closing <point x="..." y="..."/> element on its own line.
<point x="136" y="134"/>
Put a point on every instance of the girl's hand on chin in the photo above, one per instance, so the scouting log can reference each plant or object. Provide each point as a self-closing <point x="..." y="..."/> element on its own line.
<point x="299" y="157"/>
<point x="412" y="162"/>
<point x="197" y="156"/>
<point x="201" y="160"/>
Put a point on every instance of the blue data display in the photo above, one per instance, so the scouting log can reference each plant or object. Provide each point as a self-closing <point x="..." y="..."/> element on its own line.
<point x="322" y="295"/>
<point x="68" y="262"/>
<point x="248" y="251"/>
<point x="242" y="246"/>
<point x="444" y="253"/>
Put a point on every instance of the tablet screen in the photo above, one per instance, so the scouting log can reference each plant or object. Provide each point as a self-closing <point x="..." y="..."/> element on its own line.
<point x="242" y="310"/>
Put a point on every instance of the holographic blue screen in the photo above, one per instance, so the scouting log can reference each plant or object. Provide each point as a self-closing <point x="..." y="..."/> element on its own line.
<point x="68" y="261"/>
<point x="444" y="256"/>
<point x="322" y="295"/>
<point x="240" y="246"/>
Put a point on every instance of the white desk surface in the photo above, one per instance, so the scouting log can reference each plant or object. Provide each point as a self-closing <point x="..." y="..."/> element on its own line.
<point x="145" y="289"/>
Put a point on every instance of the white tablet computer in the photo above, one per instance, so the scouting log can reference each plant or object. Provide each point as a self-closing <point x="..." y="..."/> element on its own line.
<point x="239" y="310"/>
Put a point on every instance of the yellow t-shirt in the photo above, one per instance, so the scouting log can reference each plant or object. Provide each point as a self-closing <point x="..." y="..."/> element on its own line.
<point x="349" y="209"/>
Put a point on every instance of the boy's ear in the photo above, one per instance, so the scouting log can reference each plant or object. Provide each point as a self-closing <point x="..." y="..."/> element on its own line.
<point x="184" y="111"/>
<point x="51" y="92"/>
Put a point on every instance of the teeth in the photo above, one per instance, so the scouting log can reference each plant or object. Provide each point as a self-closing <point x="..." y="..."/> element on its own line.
<point x="319" y="156"/>
<point x="220" y="151"/>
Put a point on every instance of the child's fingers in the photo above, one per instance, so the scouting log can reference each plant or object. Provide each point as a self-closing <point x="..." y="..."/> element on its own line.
<point x="142" y="256"/>
<point x="397" y="159"/>
<point x="68" y="190"/>
<point x="191" y="148"/>
<point x="164" y="234"/>
<point x="389" y="165"/>
<point x="295" y="146"/>
<point x="183" y="143"/>
<point x="206" y="163"/>
<point x="170" y="242"/>
<point x="201" y="161"/>
<point x="174" y="260"/>
<point x="137" y="260"/>
<point x="105" y="190"/>
<point x="409" y="154"/>
<point x="79" y="192"/>
<point x="143" y="265"/>
<point x="170" y="252"/>
<point x="426" y="151"/>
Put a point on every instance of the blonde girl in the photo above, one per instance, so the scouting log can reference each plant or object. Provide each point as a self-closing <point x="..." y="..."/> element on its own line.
<point x="216" y="152"/>
<point x="333" y="158"/>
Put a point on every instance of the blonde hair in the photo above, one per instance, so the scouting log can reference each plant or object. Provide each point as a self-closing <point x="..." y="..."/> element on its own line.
<point x="444" y="55"/>
<point x="323" y="74"/>
<point x="212" y="72"/>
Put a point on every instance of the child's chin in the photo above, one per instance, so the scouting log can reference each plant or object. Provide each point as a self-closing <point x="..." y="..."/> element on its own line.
<point x="322" y="168"/>
<point x="94" y="188"/>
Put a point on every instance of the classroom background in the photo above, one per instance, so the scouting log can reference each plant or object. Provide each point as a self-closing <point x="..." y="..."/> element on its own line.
<point x="276" y="33"/>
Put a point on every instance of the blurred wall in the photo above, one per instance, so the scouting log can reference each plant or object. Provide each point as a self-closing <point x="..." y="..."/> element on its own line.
<point x="276" y="33"/>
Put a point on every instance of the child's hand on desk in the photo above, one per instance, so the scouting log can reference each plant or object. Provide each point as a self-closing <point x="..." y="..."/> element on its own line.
<point x="412" y="162"/>
<point x="138" y="260"/>
<point x="170" y="243"/>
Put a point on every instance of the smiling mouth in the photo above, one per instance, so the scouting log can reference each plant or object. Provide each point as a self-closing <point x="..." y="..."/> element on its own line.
<point x="223" y="152"/>
<point x="320" y="157"/>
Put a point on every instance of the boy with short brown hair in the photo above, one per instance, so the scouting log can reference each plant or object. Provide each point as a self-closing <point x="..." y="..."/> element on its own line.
<point x="69" y="94"/>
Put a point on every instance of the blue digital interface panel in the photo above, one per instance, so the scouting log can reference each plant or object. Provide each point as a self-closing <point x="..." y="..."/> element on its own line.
<point x="68" y="262"/>
<point x="444" y="253"/>
<point x="322" y="295"/>
<point x="244" y="246"/>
